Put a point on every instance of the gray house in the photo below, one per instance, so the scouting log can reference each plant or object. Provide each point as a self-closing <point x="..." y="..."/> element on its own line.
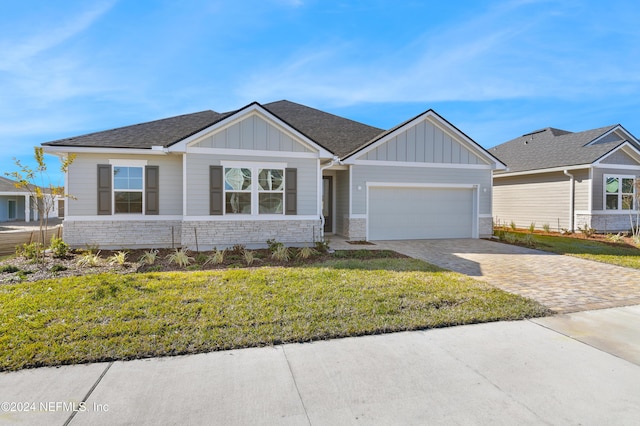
<point x="17" y="204"/>
<point x="568" y="180"/>
<point x="280" y="170"/>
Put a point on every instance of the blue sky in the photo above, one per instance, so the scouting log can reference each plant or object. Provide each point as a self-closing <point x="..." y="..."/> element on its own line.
<point x="495" y="69"/>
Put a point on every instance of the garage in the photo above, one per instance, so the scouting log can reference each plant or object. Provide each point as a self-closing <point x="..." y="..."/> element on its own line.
<point x="412" y="213"/>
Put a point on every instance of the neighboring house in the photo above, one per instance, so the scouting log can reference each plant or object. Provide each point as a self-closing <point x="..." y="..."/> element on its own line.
<point x="17" y="204"/>
<point x="279" y="171"/>
<point x="568" y="180"/>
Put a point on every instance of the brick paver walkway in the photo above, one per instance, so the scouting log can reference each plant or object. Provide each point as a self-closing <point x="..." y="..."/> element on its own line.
<point x="562" y="283"/>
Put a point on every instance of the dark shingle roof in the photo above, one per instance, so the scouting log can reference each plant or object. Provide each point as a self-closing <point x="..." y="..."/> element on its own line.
<point x="336" y="134"/>
<point x="9" y="185"/>
<point x="163" y="132"/>
<point x="548" y="148"/>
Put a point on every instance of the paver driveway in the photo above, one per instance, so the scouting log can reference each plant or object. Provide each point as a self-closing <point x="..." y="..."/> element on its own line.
<point x="562" y="283"/>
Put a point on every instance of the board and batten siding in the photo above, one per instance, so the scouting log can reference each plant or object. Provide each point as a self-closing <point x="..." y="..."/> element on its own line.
<point x="252" y="133"/>
<point x="541" y="198"/>
<point x="198" y="180"/>
<point x="426" y="175"/>
<point x="425" y="143"/>
<point x="82" y="182"/>
<point x="598" y="183"/>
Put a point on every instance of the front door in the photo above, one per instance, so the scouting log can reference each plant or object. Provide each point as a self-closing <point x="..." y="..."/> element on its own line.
<point x="12" y="209"/>
<point x="327" y="203"/>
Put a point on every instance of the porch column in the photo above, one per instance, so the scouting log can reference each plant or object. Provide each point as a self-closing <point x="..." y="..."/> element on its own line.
<point x="27" y="208"/>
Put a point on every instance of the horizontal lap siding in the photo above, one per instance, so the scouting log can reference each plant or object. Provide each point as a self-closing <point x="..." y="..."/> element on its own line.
<point x="364" y="174"/>
<point x="582" y="185"/>
<point x="83" y="182"/>
<point x="542" y="199"/>
<point x="198" y="180"/>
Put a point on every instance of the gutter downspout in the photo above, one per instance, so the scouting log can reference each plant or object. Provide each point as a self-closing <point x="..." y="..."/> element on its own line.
<point x="333" y="161"/>
<point x="571" y="200"/>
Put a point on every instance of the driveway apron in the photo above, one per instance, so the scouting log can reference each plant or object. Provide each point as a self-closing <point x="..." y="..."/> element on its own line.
<point x="562" y="283"/>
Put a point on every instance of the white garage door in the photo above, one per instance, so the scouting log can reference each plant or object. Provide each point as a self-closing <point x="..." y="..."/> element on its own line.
<point x="420" y="213"/>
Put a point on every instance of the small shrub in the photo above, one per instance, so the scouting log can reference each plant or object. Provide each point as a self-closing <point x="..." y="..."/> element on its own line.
<point x="527" y="240"/>
<point x="322" y="246"/>
<point x="217" y="257"/>
<point x="201" y="258"/>
<point x="9" y="269"/>
<point x="546" y="227"/>
<point x="30" y="251"/>
<point x="281" y="254"/>
<point x="587" y="231"/>
<point x="91" y="248"/>
<point x="274" y="245"/>
<point x="532" y="227"/>
<point x="118" y="258"/>
<point x="58" y="268"/>
<point x="149" y="257"/>
<point x="22" y="274"/>
<point x="636" y="240"/>
<point x="512" y="225"/>
<point x="510" y="238"/>
<point x="565" y="231"/>
<point x="180" y="257"/>
<point x="89" y="259"/>
<point x="237" y="249"/>
<point x="305" y="253"/>
<point x="58" y="247"/>
<point x="614" y="238"/>
<point x="249" y="257"/>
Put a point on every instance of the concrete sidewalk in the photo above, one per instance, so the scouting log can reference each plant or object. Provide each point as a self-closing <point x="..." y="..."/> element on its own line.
<point x="520" y="372"/>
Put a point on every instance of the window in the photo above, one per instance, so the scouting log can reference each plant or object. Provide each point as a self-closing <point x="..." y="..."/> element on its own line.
<point x="254" y="190"/>
<point x="127" y="189"/>
<point x="270" y="191"/>
<point x="619" y="192"/>
<point x="237" y="185"/>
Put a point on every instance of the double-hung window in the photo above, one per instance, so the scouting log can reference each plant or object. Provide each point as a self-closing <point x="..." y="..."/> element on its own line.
<point x="127" y="189"/>
<point x="619" y="192"/>
<point x="254" y="189"/>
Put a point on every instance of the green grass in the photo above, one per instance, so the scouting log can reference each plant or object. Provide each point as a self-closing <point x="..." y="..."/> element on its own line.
<point x="108" y="316"/>
<point x="614" y="253"/>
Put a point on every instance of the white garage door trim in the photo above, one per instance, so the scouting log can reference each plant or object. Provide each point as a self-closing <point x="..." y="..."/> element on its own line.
<point x="474" y="187"/>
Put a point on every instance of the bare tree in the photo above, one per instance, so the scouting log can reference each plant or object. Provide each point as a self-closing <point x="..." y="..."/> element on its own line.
<point x="37" y="183"/>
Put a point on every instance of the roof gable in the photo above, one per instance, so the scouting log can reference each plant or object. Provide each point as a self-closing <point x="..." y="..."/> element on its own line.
<point x="253" y="132"/>
<point x="552" y="148"/>
<point x="426" y="138"/>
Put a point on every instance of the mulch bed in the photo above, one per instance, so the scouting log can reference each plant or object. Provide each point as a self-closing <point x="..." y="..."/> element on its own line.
<point x="52" y="267"/>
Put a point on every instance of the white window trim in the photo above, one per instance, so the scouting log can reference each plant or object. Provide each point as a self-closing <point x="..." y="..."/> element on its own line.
<point x="255" y="168"/>
<point x="127" y="163"/>
<point x="604" y="193"/>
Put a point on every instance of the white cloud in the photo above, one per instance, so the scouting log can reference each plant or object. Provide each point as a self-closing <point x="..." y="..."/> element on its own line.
<point x="508" y="52"/>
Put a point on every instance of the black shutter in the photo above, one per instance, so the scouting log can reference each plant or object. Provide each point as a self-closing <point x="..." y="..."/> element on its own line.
<point x="216" y="190"/>
<point x="291" y="191"/>
<point x="152" y="190"/>
<point x="104" y="189"/>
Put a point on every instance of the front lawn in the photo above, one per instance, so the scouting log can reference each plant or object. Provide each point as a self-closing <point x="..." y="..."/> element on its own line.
<point x="113" y="317"/>
<point x="620" y="253"/>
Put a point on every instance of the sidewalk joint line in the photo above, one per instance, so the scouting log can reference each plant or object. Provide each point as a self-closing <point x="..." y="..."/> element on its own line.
<point x="86" y="397"/>
<point x="295" y="383"/>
